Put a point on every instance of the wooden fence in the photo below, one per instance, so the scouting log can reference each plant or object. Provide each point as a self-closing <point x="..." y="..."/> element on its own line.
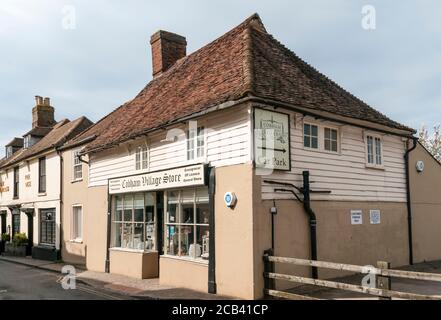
<point x="382" y="272"/>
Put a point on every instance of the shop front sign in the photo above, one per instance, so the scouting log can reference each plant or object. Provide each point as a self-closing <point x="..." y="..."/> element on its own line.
<point x="167" y="179"/>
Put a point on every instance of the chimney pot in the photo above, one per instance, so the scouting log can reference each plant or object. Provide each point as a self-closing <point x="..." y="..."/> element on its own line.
<point x="167" y="49"/>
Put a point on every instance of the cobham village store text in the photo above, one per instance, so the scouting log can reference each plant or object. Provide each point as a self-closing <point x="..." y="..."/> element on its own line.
<point x="164" y="213"/>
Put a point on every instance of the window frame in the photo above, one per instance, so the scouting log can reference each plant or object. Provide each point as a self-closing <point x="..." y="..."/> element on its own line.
<point x="331" y="140"/>
<point x="74" y="235"/>
<point x="193" y="137"/>
<point x="133" y="222"/>
<point x="375" y="137"/>
<point x="54" y="230"/>
<point x="178" y="225"/>
<point x="142" y="158"/>
<point x="311" y="125"/>
<point x="42" y="176"/>
<point x="321" y="128"/>
<point x="76" y="163"/>
<point x="16" y="181"/>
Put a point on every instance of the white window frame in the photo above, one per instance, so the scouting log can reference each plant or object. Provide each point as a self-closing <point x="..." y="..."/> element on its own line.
<point x="76" y="163"/>
<point x="74" y="236"/>
<point x="310" y="136"/>
<point x="374" y="137"/>
<point x="143" y="163"/>
<point x="193" y="136"/>
<point x="321" y="137"/>
<point x="338" y="139"/>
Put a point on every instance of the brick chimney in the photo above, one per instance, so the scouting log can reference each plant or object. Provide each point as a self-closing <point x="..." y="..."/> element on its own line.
<point x="43" y="113"/>
<point x="167" y="48"/>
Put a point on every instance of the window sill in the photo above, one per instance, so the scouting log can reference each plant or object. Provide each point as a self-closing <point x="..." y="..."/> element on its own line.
<point x="77" y="181"/>
<point x="76" y="241"/>
<point x="42" y="194"/>
<point x="132" y="250"/>
<point x="185" y="259"/>
<point x="335" y="153"/>
<point x="371" y="166"/>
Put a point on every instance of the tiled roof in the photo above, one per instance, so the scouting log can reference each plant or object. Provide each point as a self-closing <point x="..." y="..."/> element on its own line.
<point x="38" y="131"/>
<point x="63" y="131"/>
<point x="247" y="61"/>
<point x="16" y="142"/>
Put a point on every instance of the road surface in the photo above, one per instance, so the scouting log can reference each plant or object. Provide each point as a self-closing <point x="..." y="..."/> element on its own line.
<point x="18" y="282"/>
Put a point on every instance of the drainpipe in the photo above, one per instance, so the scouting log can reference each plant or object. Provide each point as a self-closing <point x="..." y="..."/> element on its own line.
<point x="312" y="220"/>
<point x="109" y="229"/>
<point x="212" y="286"/>
<point x="409" y="203"/>
<point x="61" y="199"/>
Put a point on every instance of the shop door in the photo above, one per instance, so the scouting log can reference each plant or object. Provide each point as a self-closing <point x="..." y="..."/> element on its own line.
<point x="3" y="222"/>
<point x="30" y="234"/>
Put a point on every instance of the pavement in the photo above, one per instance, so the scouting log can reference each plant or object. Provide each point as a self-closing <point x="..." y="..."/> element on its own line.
<point x="115" y="286"/>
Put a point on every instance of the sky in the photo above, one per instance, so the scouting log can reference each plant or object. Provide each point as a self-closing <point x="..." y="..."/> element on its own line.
<point x="90" y="57"/>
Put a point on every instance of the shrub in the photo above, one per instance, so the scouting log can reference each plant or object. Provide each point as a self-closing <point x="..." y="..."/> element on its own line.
<point x="20" y="239"/>
<point x="6" y="237"/>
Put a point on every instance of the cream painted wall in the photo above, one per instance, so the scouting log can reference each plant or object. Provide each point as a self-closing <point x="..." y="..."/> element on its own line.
<point x="235" y="257"/>
<point x="92" y="250"/>
<point x="426" y="206"/>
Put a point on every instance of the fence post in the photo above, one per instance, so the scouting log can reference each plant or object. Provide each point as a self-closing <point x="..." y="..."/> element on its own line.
<point x="383" y="282"/>
<point x="269" y="267"/>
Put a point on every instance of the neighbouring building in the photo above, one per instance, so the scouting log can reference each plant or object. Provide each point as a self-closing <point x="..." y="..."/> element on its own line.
<point x="30" y="181"/>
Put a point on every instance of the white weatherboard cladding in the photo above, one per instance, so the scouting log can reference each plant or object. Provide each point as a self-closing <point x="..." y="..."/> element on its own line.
<point x="227" y="143"/>
<point x="345" y="173"/>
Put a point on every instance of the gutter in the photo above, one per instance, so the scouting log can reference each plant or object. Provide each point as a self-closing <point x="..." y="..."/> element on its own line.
<point x="409" y="200"/>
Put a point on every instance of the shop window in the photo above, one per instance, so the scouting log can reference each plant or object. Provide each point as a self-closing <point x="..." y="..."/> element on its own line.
<point x="187" y="224"/>
<point x="195" y="143"/>
<point x="310" y="136"/>
<point x="141" y="158"/>
<point x="77" y="166"/>
<point x="134" y="221"/>
<point x="77" y="223"/>
<point x="374" y="151"/>
<point x="42" y="175"/>
<point x="47" y="227"/>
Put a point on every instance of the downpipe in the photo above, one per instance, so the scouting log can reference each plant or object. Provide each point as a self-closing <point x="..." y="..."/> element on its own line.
<point x="409" y="200"/>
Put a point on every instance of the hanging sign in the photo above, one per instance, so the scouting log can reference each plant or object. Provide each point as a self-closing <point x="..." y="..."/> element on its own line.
<point x="272" y="140"/>
<point x="173" y="178"/>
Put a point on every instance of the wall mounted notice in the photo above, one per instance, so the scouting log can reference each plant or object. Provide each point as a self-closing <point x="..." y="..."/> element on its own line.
<point x="375" y="216"/>
<point x="272" y="140"/>
<point x="173" y="178"/>
<point x="356" y="217"/>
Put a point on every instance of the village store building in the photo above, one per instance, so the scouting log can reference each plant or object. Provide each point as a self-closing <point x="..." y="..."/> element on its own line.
<point x="182" y="180"/>
<point x="30" y="179"/>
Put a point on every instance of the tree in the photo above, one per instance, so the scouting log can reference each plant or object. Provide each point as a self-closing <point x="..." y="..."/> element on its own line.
<point x="431" y="142"/>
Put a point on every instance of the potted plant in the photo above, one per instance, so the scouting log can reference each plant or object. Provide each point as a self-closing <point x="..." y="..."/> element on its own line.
<point x="18" y="246"/>
<point x="5" y="237"/>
